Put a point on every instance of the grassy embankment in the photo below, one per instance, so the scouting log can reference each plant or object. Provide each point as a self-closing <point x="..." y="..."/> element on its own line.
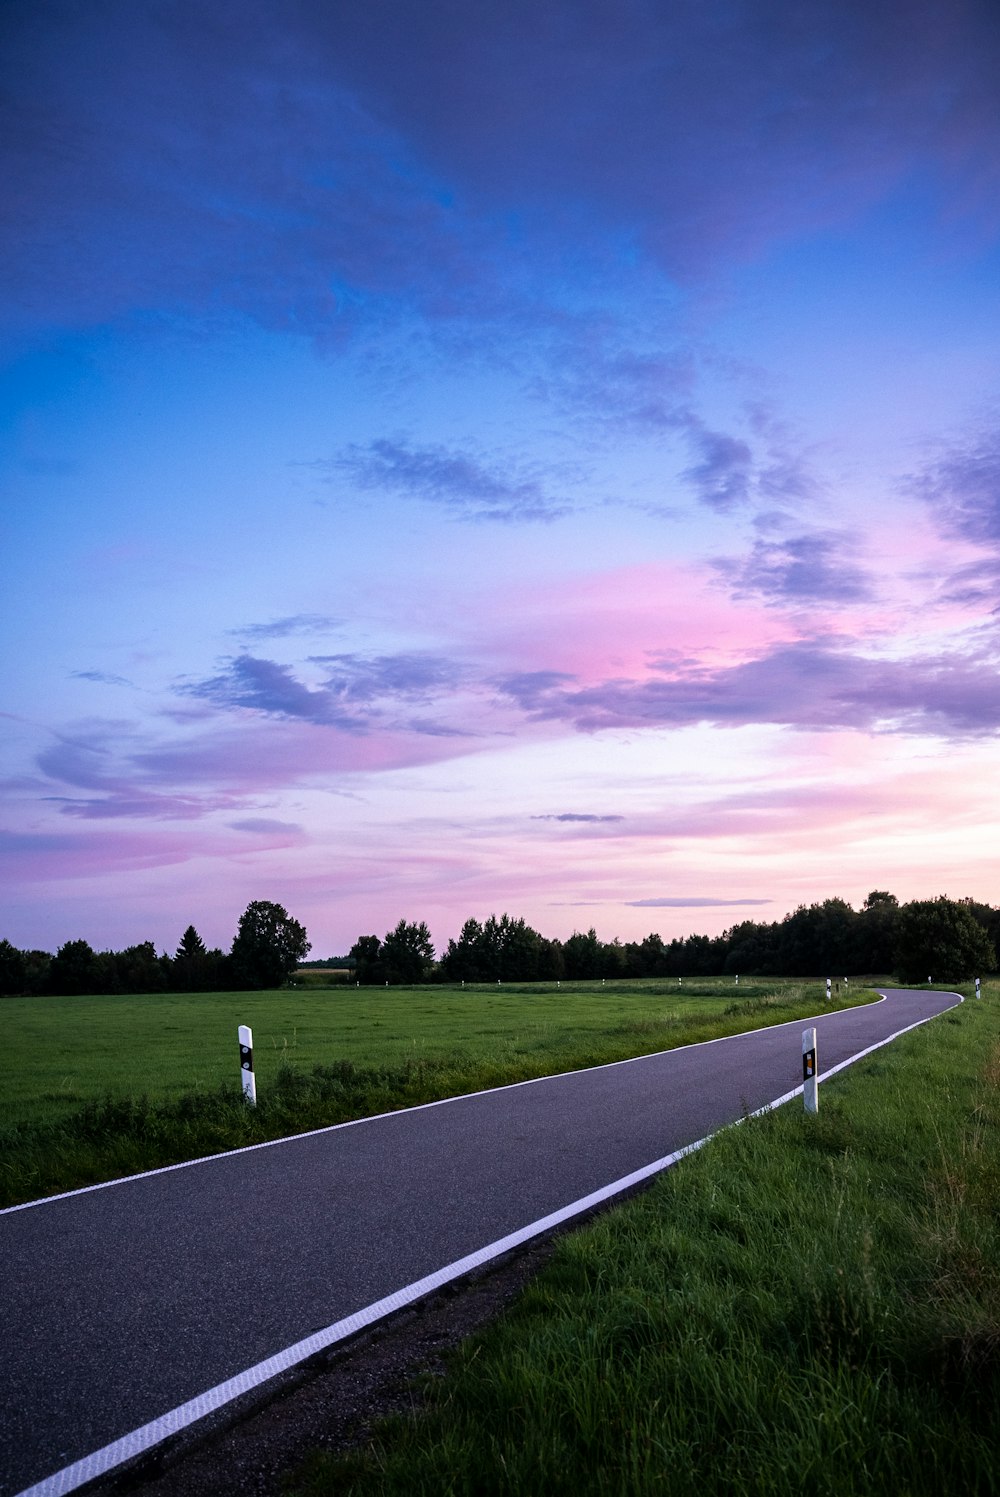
<point x="809" y="1304"/>
<point x="92" y="1088"/>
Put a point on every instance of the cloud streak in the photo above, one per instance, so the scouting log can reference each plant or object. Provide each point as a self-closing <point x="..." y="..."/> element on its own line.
<point x="461" y="483"/>
<point x="694" y="902"/>
<point x="807" y="684"/>
<point x="575" y="816"/>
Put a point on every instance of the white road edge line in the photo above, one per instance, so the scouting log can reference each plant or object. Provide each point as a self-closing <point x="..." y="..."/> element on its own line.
<point x="99" y="1462"/>
<point x="375" y="1117"/>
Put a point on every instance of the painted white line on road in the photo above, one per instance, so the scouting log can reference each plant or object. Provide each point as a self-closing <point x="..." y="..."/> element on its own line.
<point x="140" y="1440"/>
<point x="376" y="1117"/>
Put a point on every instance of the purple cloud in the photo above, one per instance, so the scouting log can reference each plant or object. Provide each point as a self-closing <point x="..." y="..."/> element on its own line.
<point x="962" y="489"/>
<point x="596" y="371"/>
<point x="101" y="678"/>
<point x="576" y="816"/>
<point x="369" y="678"/>
<point x="975" y="585"/>
<point x="460" y="482"/>
<point x="803" y="568"/>
<point x="265" y="826"/>
<point x="45" y="857"/>
<point x="807" y="685"/>
<point x="692" y="903"/>
<point x="133" y="804"/>
<point x="534" y="691"/>
<point x="294" y="624"/>
<point x="324" y="159"/>
<point x="210" y="142"/>
<point x="357" y="694"/>
<point x="116" y="790"/>
<point x="265" y="686"/>
<point x="594" y="105"/>
<point x="722" y="475"/>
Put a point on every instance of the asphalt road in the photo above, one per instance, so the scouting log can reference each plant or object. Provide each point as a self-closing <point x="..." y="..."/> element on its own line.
<point x="119" y="1305"/>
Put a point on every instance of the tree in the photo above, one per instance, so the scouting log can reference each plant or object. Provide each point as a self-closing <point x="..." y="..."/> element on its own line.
<point x="13" y="970"/>
<point x="190" y="964"/>
<point x="877" y="925"/>
<point x="75" y="968"/>
<point x="407" y="953"/>
<point x="941" y="939"/>
<point x="464" y="960"/>
<point x="506" y="950"/>
<point x="582" y="955"/>
<point x="267" y="945"/>
<point x="137" y="969"/>
<point x="880" y="899"/>
<point x="37" y="965"/>
<point x="365" y="953"/>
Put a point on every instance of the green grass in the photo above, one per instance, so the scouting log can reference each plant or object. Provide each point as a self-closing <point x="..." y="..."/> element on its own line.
<point x="806" y="1305"/>
<point x="95" y="1087"/>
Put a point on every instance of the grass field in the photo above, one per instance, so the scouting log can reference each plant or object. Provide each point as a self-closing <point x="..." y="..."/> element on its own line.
<point x="809" y="1304"/>
<point x="59" y="1052"/>
<point x="95" y="1087"/>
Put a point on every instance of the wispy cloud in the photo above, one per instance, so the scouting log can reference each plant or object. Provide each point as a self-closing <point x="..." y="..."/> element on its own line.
<point x="288" y="832"/>
<point x="356" y="693"/>
<point x="805" y="568"/>
<point x="721" y="476"/>
<point x="962" y="490"/>
<point x="101" y="678"/>
<point x="975" y="585"/>
<point x="692" y="902"/>
<point x="265" y="686"/>
<point x="293" y="624"/>
<point x="576" y="816"/>
<point x="806" y="684"/>
<point x="410" y="676"/>
<point x="463" y="483"/>
<point x="534" y="691"/>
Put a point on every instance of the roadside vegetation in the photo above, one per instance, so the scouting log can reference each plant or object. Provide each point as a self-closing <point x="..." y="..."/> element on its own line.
<point x="97" y="1087"/>
<point x="809" y="1304"/>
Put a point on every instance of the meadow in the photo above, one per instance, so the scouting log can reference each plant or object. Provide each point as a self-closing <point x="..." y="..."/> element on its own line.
<point x="807" y="1304"/>
<point x="94" y="1087"/>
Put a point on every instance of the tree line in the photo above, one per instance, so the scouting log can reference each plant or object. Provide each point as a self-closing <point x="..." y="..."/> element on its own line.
<point x="944" y="939"/>
<point x="266" y="949"/>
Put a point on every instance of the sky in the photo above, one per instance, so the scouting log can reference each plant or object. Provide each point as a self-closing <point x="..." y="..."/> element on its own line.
<point x="462" y="457"/>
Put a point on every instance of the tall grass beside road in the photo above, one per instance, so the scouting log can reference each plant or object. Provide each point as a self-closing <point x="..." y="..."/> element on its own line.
<point x="93" y="1088"/>
<point x="809" y="1304"/>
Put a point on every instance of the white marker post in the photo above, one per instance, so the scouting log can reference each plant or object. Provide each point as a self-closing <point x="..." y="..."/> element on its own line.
<point x="810" y="1083"/>
<point x="978" y="993"/>
<point x="246" y="1064"/>
<point x="737" y="979"/>
<point x="829" y="996"/>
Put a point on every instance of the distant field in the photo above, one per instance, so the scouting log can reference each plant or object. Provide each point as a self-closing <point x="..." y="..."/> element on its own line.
<point x="61" y="1052"/>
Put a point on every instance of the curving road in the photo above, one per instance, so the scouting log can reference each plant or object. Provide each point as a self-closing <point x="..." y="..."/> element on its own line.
<point x="131" y="1311"/>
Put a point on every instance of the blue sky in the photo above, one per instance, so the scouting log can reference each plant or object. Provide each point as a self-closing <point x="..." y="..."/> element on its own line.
<point x="462" y="458"/>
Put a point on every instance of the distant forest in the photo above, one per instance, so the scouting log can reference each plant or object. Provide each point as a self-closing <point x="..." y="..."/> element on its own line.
<point x="941" y="939"/>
